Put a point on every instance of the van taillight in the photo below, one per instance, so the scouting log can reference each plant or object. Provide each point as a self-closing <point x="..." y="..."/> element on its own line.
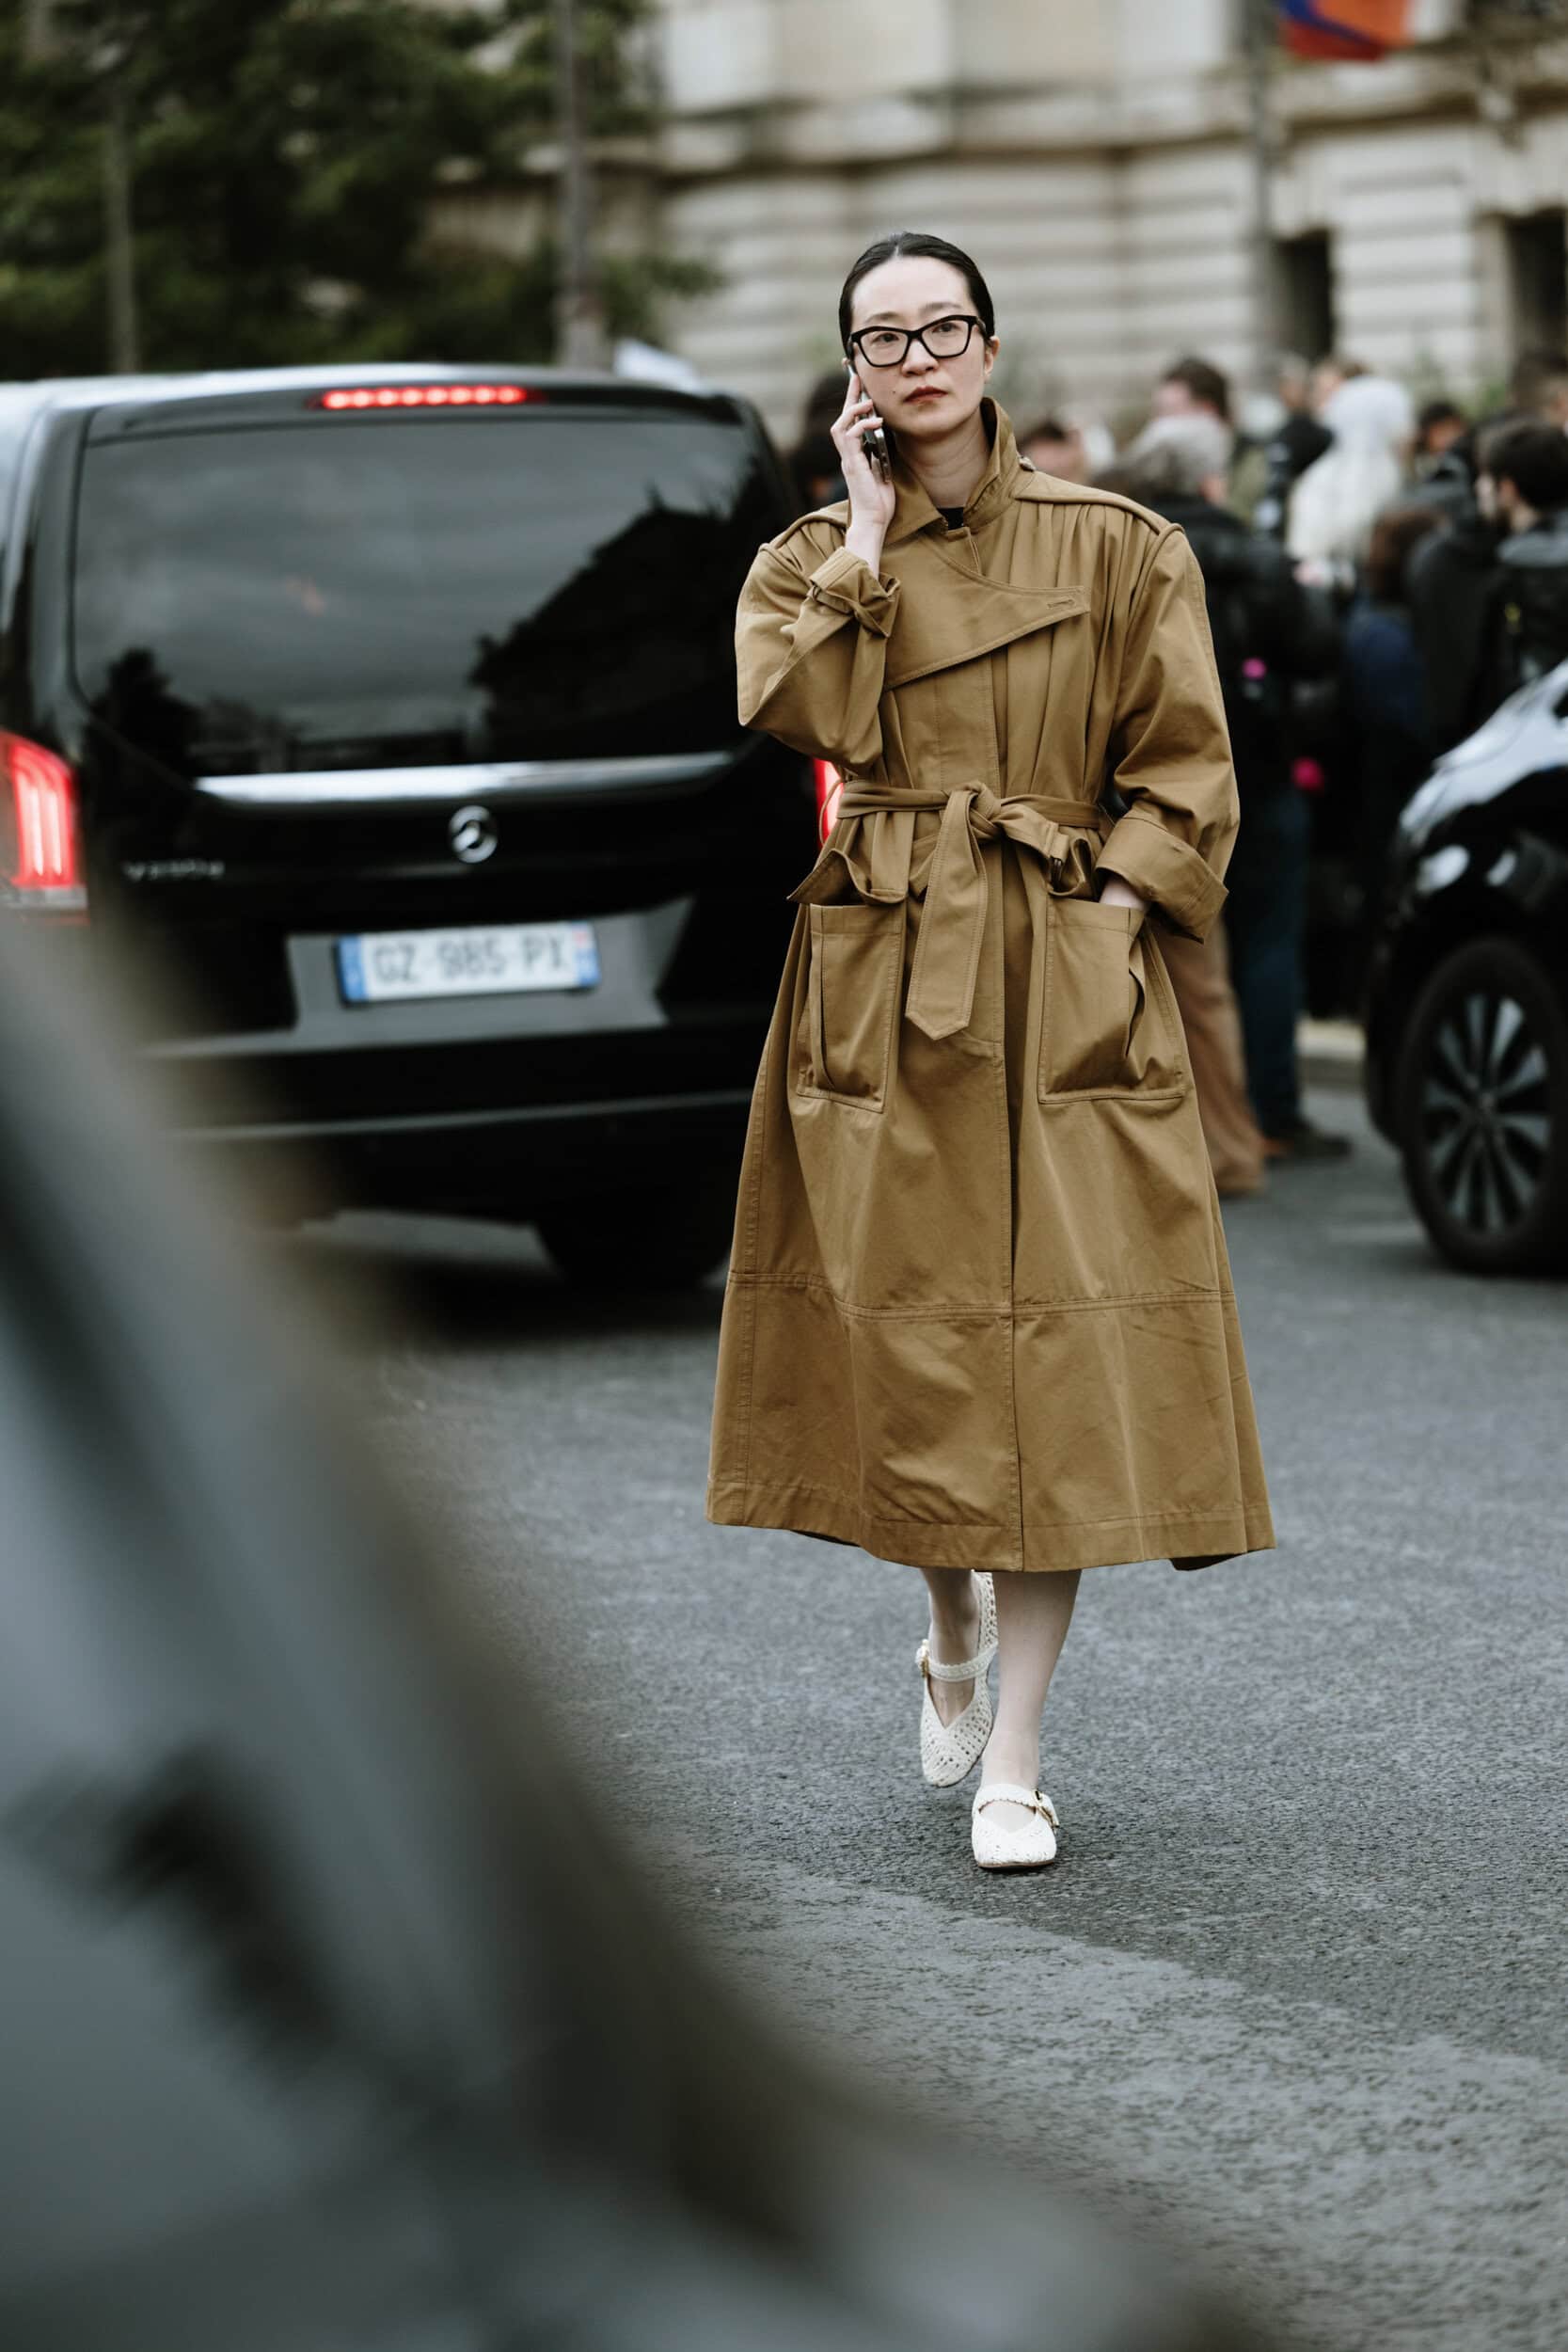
<point x="41" y="851"/>
<point x="829" y="790"/>
<point x="355" y="398"/>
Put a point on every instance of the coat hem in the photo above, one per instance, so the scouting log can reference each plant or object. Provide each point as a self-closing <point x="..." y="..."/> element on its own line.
<point x="1188" y="1540"/>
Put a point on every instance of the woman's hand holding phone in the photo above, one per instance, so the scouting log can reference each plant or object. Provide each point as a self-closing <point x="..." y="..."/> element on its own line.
<point x="868" y="481"/>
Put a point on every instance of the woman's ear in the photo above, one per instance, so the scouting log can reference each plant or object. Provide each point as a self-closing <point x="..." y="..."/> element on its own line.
<point x="993" y="347"/>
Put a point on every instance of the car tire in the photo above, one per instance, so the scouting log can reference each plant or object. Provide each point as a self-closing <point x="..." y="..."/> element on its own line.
<point x="1481" y="1086"/>
<point x="669" y="1240"/>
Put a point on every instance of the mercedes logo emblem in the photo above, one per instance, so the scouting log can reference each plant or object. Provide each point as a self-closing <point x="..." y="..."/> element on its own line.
<point x="473" y="836"/>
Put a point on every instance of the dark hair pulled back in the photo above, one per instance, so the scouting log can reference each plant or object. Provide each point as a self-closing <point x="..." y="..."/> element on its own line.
<point x="1534" y="457"/>
<point x="914" y="241"/>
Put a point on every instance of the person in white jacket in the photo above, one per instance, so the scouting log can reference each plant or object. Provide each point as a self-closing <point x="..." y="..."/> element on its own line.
<point x="1340" y="495"/>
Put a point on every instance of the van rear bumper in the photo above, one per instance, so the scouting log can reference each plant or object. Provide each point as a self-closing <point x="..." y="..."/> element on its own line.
<point x="511" y="1162"/>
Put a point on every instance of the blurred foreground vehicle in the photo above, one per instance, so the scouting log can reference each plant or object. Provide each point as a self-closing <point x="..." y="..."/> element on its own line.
<point x="1467" y="1011"/>
<point x="393" y="711"/>
<point x="330" y="2020"/>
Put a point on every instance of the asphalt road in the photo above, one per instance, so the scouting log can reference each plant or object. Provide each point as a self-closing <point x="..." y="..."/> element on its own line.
<point x="1293" y="1999"/>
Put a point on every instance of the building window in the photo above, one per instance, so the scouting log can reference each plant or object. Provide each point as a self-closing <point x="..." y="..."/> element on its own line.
<point x="1537" y="281"/>
<point x="1305" y="282"/>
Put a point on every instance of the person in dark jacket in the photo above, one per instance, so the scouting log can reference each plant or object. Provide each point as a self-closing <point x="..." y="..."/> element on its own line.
<point x="1486" y="620"/>
<point x="1528" y="470"/>
<point x="1268" y="630"/>
<point x="1448" y="586"/>
<point x="1383" y="705"/>
<point x="1440" y="425"/>
<point x="1445" y="463"/>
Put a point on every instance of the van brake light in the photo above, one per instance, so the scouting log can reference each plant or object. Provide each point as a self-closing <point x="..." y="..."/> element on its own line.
<point x="829" y="791"/>
<point x="41" y="855"/>
<point x="356" y="398"/>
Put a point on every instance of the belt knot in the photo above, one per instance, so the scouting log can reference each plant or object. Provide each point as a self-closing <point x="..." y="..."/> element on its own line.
<point x="985" y="814"/>
<point x="873" y="843"/>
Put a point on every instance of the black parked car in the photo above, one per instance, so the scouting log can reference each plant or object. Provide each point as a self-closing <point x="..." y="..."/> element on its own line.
<point x="1468" y="1016"/>
<point x="394" y="712"/>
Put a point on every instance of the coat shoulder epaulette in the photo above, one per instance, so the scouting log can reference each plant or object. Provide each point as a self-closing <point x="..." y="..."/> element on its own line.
<point x="1046" y="490"/>
<point x="835" y="516"/>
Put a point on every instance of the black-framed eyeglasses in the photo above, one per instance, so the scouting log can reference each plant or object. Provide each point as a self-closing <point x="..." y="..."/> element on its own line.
<point x="888" y="346"/>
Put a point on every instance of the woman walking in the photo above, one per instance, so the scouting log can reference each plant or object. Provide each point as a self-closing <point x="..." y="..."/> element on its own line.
<point x="979" y="1316"/>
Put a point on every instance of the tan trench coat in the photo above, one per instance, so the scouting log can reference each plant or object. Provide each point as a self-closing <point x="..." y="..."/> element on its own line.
<point x="980" y="1311"/>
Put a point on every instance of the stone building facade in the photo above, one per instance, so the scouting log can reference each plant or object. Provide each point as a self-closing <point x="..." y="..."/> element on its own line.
<point x="1095" y="155"/>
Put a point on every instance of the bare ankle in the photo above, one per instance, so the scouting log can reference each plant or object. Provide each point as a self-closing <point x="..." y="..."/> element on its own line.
<point x="956" y="1622"/>
<point x="1017" y="1764"/>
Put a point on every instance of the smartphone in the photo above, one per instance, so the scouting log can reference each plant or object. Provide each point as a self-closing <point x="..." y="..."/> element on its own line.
<point x="875" y="444"/>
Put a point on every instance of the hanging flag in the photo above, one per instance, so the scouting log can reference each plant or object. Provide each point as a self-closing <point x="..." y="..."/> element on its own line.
<point x="1362" y="29"/>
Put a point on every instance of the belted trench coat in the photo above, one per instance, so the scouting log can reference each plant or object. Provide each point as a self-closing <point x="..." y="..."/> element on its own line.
<point x="979" y="1310"/>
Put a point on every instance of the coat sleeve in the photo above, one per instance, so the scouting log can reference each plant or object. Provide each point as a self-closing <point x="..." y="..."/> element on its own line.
<point x="1170" y="749"/>
<point x="811" y="649"/>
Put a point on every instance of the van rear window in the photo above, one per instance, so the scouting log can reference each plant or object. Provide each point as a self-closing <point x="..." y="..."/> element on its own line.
<point x="338" y="593"/>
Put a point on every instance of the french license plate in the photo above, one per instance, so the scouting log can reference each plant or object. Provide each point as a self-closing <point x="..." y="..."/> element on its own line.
<point x="494" y="960"/>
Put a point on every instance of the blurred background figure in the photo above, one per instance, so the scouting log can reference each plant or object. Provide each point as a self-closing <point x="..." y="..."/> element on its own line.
<point x="1296" y="441"/>
<point x="1443" y="468"/>
<point x="1193" y="386"/>
<point x="1538" y="387"/>
<point x="1387" y="740"/>
<point x="1216" y="1055"/>
<point x="1528" y="623"/>
<point x="812" y="462"/>
<point x="1058" y="446"/>
<point x="1448" y="590"/>
<point x="1268" y="630"/>
<point x="1339" y="495"/>
<point x="1488" y="594"/>
<point x="334" y="2016"/>
<point x="1326" y="376"/>
<point x="1438" y="425"/>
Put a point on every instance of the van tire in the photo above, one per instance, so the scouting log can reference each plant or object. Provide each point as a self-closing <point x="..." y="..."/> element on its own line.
<point x="642" y="1241"/>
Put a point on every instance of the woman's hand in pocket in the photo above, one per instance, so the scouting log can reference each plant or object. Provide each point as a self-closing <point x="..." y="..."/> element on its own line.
<point x="1117" y="893"/>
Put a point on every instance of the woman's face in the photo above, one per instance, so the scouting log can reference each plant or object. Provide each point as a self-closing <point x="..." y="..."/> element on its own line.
<point x="921" y="397"/>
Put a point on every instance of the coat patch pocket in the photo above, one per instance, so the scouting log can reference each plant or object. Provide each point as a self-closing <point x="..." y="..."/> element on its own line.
<point x="844" y="1047"/>
<point x="1107" y="1016"/>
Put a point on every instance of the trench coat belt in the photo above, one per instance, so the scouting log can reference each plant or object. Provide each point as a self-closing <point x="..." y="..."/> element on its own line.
<point x="873" y="844"/>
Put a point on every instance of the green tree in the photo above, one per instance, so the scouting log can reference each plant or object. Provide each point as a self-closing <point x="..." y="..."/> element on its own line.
<point x="283" y="156"/>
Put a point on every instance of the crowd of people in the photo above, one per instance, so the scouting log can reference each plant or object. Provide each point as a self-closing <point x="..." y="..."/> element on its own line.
<point x="1379" y="579"/>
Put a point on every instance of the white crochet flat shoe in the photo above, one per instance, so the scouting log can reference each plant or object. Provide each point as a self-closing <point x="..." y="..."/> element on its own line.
<point x="1013" y="1845"/>
<point x="948" y="1752"/>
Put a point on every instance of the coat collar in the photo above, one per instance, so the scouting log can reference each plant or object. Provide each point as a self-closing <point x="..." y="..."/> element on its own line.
<point x="1004" y="479"/>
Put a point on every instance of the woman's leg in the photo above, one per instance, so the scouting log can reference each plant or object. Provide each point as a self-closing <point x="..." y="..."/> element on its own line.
<point x="1033" y="1613"/>
<point x="955" y="1634"/>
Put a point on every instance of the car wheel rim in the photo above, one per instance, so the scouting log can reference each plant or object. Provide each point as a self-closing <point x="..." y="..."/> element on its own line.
<point x="1485" y="1113"/>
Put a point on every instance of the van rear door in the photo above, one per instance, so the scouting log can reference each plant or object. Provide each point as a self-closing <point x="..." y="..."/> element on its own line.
<point x="305" y="639"/>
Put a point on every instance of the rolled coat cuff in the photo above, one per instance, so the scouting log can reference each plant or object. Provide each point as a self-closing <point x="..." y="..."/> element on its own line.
<point x="1169" y="874"/>
<point x="846" y="583"/>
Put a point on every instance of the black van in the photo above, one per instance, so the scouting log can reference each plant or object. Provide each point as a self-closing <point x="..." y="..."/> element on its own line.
<point x="394" y="712"/>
